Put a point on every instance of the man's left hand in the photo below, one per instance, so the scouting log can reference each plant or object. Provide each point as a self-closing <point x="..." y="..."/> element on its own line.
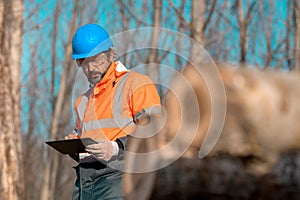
<point x="103" y="150"/>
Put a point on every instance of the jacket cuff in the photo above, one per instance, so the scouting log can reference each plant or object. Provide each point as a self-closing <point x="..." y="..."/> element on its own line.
<point x="115" y="148"/>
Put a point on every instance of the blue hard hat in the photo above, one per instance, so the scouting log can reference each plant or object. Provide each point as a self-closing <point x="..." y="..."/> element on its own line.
<point x="90" y="40"/>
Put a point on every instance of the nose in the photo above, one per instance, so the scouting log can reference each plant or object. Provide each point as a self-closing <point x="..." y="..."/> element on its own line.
<point x="91" y="67"/>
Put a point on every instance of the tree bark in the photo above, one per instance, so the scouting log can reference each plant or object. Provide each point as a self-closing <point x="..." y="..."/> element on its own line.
<point x="197" y="33"/>
<point x="152" y="69"/>
<point x="51" y="169"/>
<point x="11" y="175"/>
<point x="125" y="23"/>
<point x="244" y="17"/>
<point x="198" y="21"/>
<point x="297" y="34"/>
<point x="269" y="56"/>
<point x="243" y="31"/>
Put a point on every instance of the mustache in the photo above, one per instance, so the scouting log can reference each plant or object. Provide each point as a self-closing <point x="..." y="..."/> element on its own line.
<point x="95" y="73"/>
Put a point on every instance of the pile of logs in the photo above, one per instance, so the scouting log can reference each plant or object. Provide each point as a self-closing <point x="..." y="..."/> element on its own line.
<point x="256" y="154"/>
<point x="262" y="113"/>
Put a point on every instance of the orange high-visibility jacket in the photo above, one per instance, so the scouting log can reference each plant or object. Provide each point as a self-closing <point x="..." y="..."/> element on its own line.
<point x="107" y="110"/>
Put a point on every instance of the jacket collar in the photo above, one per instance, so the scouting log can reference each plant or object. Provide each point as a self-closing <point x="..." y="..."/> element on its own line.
<point x="115" y="70"/>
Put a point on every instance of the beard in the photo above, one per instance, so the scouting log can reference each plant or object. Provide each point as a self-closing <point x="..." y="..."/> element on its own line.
<point x="95" y="77"/>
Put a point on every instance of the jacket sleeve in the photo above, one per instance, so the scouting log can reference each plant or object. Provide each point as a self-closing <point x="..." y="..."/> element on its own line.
<point x="143" y="95"/>
<point x="122" y="144"/>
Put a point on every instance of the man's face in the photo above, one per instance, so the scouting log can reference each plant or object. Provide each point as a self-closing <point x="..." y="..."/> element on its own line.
<point x="95" y="67"/>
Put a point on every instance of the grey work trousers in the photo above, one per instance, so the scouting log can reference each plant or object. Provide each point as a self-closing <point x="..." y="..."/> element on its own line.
<point x="95" y="181"/>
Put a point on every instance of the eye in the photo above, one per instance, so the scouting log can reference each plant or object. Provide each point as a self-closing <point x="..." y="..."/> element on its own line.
<point x="84" y="66"/>
<point x="99" y="60"/>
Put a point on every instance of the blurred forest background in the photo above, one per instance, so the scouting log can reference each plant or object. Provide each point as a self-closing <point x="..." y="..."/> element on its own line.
<point x="37" y="75"/>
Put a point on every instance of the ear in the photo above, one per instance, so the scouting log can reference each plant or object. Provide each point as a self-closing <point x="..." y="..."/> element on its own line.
<point x="111" y="54"/>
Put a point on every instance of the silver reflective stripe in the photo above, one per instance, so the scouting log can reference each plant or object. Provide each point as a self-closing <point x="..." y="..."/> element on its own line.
<point x="107" y="123"/>
<point x="82" y="105"/>
<point x="117" y="104"/>
<point x="153" y="110"/>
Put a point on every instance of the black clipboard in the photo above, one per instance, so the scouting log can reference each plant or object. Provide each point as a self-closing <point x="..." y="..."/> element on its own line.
<point x="71" y="146"/>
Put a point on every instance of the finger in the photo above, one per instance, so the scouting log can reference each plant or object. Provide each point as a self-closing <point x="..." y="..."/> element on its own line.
<point x="100" y="156"/>
<point x="94" y="147"/>
<point x="101" y="141"/>
<point x="95" y="151"/>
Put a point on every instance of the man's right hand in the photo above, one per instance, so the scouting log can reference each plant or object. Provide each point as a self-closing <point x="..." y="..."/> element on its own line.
<point x="71" y="136"/>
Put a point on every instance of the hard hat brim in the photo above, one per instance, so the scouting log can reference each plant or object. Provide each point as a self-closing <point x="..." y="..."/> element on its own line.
<point x="103" y="46"/>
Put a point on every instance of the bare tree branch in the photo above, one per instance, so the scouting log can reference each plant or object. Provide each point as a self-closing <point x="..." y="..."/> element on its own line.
<point x="211" y="11"/>
<point x="179" y="13"/>
<point x="132" y="15"/>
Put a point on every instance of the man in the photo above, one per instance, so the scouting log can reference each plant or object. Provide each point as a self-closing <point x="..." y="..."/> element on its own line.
<point x="107" y="112"/>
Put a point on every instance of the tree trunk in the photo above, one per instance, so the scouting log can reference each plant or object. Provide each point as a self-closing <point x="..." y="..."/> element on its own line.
<point x="244" y="18"/>
<point x="297" y="34"/>
<point x="243" y="31"/>
<point x="152" y="69"/>
<point x="51" y="169"/>
<point x="197" y="24"/>
<point x="125" y="23"/>
<point x="269" y="56"/>
<point x="288" y="24"/>
<point x="198" y="21"/>
<point x="11" y="176"/>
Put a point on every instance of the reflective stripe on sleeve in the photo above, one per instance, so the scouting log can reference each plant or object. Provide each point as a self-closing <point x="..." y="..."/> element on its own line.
<point x="153" y="110"/>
